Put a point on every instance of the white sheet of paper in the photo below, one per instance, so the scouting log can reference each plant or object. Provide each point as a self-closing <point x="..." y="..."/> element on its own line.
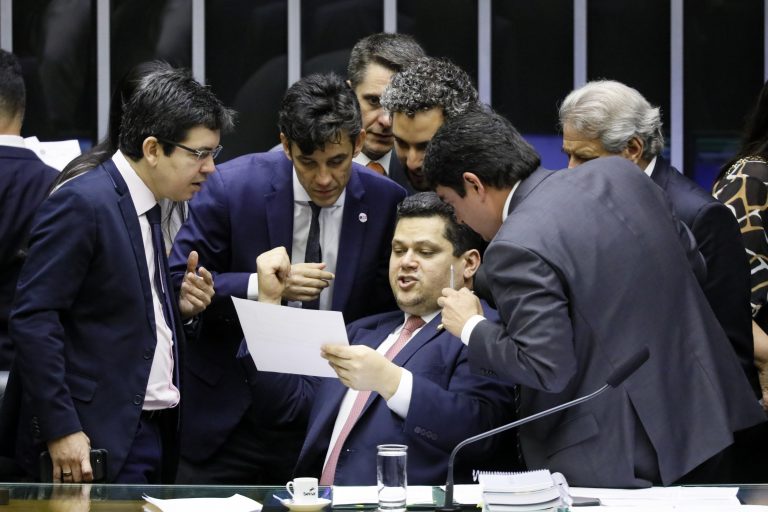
<point x="287" y="340"/>
<point x="235" y="503"/>
<point x="57" y="154"/>
<point x="368" y="494"/>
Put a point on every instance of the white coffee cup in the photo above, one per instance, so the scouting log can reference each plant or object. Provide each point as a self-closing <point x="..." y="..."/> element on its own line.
<point x="303" y="490"/>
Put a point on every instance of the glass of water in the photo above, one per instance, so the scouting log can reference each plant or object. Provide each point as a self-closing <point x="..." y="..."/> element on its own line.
<point x="391" y="476"/>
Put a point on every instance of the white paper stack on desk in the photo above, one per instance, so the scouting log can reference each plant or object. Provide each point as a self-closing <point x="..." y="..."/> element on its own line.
<point x="523" y="492"/>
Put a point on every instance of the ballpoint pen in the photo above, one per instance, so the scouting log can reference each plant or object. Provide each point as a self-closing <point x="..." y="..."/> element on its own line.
<point x="440" y="326"/>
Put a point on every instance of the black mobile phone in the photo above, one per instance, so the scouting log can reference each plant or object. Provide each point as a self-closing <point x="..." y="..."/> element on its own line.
<point x="98" y="464"/>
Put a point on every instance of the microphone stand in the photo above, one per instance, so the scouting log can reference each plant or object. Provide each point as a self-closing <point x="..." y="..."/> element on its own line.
<point x="618" y="376"/>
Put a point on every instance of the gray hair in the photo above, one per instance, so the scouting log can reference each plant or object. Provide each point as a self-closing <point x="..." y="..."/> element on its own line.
<point x="393" y="51"/>
<point x="613" y="113"/>
<point x="429" y="83"/>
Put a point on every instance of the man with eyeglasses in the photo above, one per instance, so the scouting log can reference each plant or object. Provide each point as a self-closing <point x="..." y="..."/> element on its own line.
<point x="96" y="323"/>
<point x="335" y="218"/>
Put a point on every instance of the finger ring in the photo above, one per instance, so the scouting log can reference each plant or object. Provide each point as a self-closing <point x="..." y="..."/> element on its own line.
<point x="66" y="473"/>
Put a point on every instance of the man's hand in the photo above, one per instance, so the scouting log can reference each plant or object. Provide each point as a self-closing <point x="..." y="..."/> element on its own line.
<point x="458" y="307"/>
<point x="196" y="289"/>
<point x="306" y="281"/>
<point x="71" y="457"/>
<point x="361" y="368"/>
<point x="273" y="269"/>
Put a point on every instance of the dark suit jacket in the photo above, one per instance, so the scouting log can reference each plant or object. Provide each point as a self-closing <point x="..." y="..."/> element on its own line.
<point x="24" y="183"/>
<point x="587" y="268"/>
<point x="83" y="321"/>
<point x="245" y="209"/>
<point x="398" y="174"/>
<point x="448" y="405"/>
<point x="727" y="286"/>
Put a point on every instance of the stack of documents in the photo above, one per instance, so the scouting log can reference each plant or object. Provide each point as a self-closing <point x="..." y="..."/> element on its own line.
<point x="522" y="492"/>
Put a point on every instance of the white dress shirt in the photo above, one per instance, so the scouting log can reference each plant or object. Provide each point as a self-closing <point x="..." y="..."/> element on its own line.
<point x="400" y="402"/>
<point x="161" y="393"/>
<point x="330" y="233"/>
<point x="14" y="141"/>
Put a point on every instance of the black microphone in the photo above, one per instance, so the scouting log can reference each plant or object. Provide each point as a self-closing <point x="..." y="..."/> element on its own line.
<point x="617" y="376"/>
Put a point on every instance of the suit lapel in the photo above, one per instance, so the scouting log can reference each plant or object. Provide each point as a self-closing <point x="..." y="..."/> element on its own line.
<point x="426" y="334"/>
<point x="353" y="227"/>
<point x="131" y="220"/>
<point x="527" y="185"/>
<point x="279" y="207"/>
<point x="661" y="171"/>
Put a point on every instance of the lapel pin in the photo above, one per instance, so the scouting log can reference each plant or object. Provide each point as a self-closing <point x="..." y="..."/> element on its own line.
<point x="362" y="217"/>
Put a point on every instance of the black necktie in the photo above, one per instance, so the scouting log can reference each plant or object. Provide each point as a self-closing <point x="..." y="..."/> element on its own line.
<point x="314" y="253"/>
<point x="163" y="279"/>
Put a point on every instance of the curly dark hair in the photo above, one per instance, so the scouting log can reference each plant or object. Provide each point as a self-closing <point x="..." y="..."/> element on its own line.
<point x="429" y="83"/>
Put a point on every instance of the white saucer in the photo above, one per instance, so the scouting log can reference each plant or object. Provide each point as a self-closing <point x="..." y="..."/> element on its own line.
<point x="305" y="507"/>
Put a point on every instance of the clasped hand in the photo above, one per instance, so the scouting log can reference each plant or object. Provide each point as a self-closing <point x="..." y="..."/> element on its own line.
<point x="458" y="307"/>
<point x="278" y="279"/>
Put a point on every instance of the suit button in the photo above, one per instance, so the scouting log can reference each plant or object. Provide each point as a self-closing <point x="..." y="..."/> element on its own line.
<point x="138" y="399"/>
<point x="417" y="430"/>
<point x="149" y="353"/>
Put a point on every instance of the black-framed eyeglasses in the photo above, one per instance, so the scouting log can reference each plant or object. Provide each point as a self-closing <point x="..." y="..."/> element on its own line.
<point x="201" y="154"/>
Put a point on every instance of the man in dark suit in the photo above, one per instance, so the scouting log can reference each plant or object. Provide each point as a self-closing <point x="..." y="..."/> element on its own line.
<point x="334" y="217"/>
<point x="373" y="61"/>
<point x="96" y="324"/>
<point x="419" y="99"/>
<point x="586" y="267"/>
<point x="24" y="183"/>
<point x="403" y="379"/>
<point x="609" y="118"/>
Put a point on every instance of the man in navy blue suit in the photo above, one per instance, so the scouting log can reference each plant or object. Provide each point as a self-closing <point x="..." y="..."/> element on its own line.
<point x="335" y="219"/>
<point x="96" y="324"/>
<point x="24" y="183"/>
<point x="404" y="379"/>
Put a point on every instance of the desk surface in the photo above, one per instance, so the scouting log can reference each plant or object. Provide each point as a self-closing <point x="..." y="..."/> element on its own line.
<point x="103" y="497"/>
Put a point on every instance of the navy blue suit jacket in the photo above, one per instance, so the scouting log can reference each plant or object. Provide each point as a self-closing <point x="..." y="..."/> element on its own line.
<point x="24" y="183"/>
<point x="727" y="286"/>
<point x="83" y="321"/>
<point x="245" y="209"/>
<point x="448" y="404"/>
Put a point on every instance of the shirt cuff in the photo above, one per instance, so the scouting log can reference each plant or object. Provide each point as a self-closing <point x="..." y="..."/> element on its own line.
<point x="401" y="400"/>
<point x="469" y="326"/>
<point x="253" y="287"/>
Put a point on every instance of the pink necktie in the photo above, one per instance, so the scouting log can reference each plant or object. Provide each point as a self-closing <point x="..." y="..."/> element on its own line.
<point x="329" y="471"/>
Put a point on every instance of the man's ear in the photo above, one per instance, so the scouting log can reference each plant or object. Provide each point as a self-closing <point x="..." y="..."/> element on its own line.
<point x="359" y="143"/>
<point x="473" y="183"/>
<point x="151" y="148"/>
<point x="634" y="150"/>
<point x="471" y="263"/>
<point x="286" y="146"/>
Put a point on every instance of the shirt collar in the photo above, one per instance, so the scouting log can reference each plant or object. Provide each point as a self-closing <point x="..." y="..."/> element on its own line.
<point x="142" y="196"/>
<point x="505" y="212"/>
<point x="15" y="141"/>
<point x="300" y="195"/>
<point x="363" y="160"/>
<point x="427" y="318"/>
<point x="651" y="166"/>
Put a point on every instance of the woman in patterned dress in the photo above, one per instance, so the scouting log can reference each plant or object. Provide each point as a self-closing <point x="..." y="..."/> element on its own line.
<point x="743" y="186"/>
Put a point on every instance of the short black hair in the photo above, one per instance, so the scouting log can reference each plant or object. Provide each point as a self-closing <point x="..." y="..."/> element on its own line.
<point x="484" y="143"/>
<point x="167" y="103"/>
<point x="428" y="204"/>
<point x="13" y="95"/>
<point x="319" y="109"/>
<point x="392" y="51"/>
